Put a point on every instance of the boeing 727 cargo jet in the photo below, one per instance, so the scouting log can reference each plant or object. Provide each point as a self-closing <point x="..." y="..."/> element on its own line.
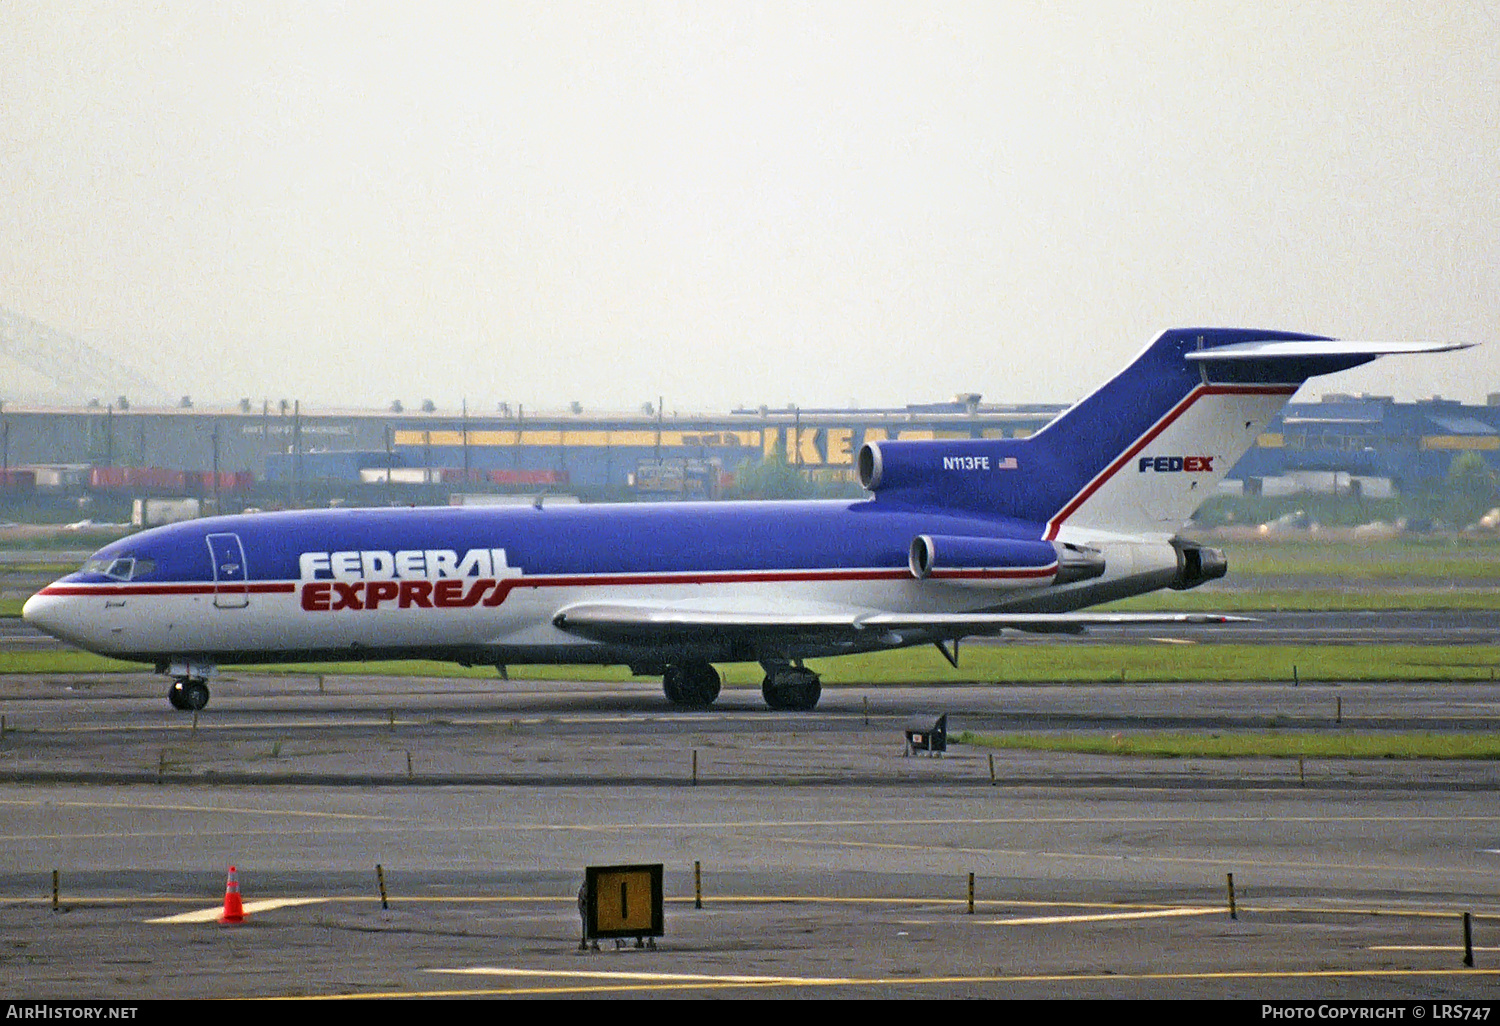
<point x="959" y="538"/>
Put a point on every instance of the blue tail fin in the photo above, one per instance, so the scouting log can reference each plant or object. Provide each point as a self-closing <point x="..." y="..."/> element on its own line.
<point x="1140" y="453"/>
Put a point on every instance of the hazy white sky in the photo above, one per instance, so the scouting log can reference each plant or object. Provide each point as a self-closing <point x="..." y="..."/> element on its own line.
<point x="743" y="203"/>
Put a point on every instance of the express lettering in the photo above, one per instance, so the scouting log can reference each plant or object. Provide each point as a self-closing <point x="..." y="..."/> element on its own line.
<point x="1176" y="464"/>
<point x="372" y="579"/>
<point x="450" y="593"/>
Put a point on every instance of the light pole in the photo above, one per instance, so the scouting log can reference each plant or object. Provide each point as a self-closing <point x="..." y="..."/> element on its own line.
<point x="215" y="437"/>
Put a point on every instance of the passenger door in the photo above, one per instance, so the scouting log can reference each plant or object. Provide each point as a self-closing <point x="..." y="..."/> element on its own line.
<point x="231" y="583"/>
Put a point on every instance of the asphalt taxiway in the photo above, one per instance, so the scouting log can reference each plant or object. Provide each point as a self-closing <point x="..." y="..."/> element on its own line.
<point x="831" y="863"/>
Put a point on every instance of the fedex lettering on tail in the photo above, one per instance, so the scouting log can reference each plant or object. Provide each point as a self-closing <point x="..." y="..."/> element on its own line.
<point x="1174" y="464"/>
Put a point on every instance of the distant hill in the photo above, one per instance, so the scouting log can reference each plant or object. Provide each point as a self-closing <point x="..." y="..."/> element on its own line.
<point x="56" y="365"/>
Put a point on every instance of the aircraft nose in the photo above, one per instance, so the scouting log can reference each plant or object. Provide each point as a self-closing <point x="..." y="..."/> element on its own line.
<point x="34" y="612"/>
<point x="48" y="613"/>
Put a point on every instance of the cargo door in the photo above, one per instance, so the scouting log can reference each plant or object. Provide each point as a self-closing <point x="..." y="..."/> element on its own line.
<point x="231" y="585"/>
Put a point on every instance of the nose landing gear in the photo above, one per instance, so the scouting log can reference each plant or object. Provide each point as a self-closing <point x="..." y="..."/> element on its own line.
<point x="188" y="694"/>
<point x="189" y="690"/>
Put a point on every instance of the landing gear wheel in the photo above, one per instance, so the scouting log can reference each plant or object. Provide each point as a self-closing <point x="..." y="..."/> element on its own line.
<point x="671" y="685"/>
<point x="793" y="690"/>
<point x="693" y="685"/>
<point x="188" y="695"/>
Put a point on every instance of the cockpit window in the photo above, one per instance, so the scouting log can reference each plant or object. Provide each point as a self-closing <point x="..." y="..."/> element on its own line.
<point x="120" y="568"/>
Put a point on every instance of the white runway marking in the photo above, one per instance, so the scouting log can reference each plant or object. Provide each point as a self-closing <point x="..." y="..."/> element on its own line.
<point x="209" y="915"/>
<point x="231" y="810"/>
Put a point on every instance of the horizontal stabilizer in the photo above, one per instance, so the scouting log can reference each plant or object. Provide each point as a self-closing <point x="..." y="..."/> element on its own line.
<point x="1313" y="348"/>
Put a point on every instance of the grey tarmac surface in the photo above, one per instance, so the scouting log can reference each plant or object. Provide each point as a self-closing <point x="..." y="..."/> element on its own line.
<point x="1388" y="627"/>
<point x="832" y="864"/>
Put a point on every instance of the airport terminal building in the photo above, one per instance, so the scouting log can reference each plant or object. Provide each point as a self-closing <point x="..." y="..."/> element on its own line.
<point x="264" y="455"/>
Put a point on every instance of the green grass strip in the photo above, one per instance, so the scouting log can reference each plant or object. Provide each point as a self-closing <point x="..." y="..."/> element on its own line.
<point x="1059" y="662"/>
<point x="1309" y="601"/>
<point x="1167" y="663"/>
<point x="1273" y="745"/>
<point x="64" y="661"/>
<point x="1375" y="559"/>
<point x="37" y="569"/>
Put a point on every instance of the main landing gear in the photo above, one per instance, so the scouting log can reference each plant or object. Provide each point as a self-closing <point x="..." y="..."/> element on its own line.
<point x="791" y="688"/>
<point x="691" y="685"/>
<point x="187" y="693"/>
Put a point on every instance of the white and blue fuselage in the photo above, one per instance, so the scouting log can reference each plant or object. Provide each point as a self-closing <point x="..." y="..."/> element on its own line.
<point x="960" y="538"/>
<point x="484" y="585"/>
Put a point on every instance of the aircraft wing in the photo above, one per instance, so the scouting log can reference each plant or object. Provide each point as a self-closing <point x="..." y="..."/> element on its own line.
<point x="644" y="624"/>
<point x="949" y="624"/>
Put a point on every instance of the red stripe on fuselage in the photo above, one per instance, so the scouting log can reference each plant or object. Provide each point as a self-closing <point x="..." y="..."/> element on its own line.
<point x="1055" y="524"/>
<point x="112" y="590"/>
<point x="505" y="585"/>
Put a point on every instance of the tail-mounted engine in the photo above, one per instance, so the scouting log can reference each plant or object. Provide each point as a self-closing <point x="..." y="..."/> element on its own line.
<point x="1002" y="562"/>
<point x="1196" y="564"/>
<point x="971" y="474"/>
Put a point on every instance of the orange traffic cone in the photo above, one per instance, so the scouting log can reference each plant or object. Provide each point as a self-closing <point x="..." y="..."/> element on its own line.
<point x="234" y="912"/>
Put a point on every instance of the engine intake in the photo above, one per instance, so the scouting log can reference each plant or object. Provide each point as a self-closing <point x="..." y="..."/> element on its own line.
<point x="870" y="466"/>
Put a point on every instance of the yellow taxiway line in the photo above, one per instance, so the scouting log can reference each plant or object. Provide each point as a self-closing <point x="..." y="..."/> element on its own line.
<point x="616" y="982"/>
<point x="1105" y="917"/>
